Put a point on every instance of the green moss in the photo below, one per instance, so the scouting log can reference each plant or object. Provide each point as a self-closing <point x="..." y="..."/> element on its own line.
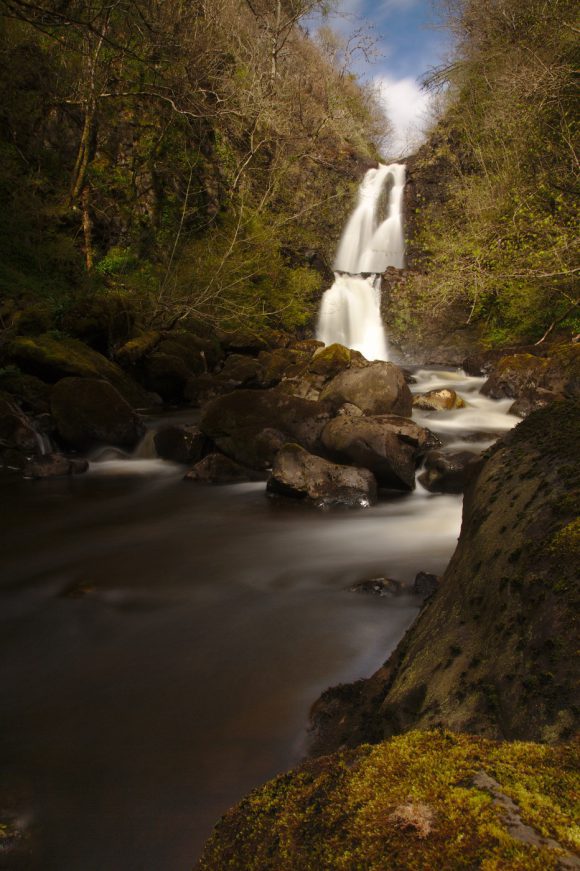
<point x="409" y="803"/>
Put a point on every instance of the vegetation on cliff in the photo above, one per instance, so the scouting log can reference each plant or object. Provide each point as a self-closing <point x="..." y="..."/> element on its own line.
<point x="194" y="159"/>
<point x="494" y="212"/>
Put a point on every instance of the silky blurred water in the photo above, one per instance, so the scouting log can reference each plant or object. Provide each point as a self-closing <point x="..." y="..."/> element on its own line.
<point x="161" y="644"/>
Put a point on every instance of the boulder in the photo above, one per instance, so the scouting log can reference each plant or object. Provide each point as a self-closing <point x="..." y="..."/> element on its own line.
<point x="438" y="400"/>
<point x="239" y="369"/>
<point x="217" y="469"/>
<point x="236" y="421"/>
<point x="54" y="466"/>
<point x="526" y="404"/>
<point x="249" y="342"/>
<point x="378" y="388"/>
<point x="51" y="359"/>
<point x="420" y="801"/>
<point x="87" y="411"/>
<point x="135" y="349"/>
<point x="180" y="443"/>
<point x="532" y="377"/>
<point x="30" y="392"/>
<point x="301" y="475"/>
<point x="378" y="587"/>
<point x="331" y="360"/>
<point x="389" y="446"/>
<point x="176" y="360"/>
<point x="447" y="472"/>
<point x="281" y="363"/>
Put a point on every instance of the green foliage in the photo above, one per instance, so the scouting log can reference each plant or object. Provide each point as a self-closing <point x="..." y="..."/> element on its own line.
<point x="415" y="802"/>
<point x="503" y="242"/>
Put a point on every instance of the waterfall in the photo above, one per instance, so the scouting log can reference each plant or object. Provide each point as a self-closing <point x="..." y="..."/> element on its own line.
<point x="350" y="311"/>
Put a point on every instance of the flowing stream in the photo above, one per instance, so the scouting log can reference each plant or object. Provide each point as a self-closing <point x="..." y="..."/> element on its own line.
<point x="161" y="642"/>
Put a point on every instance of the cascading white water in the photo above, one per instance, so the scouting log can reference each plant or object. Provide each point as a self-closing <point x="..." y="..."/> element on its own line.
<point x="350" y="311"/>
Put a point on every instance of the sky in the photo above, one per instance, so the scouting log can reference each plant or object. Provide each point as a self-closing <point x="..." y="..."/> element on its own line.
<point x="410" y="45"/>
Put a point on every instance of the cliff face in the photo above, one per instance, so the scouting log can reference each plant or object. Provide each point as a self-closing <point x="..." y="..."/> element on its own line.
<point x="492" y="652"/>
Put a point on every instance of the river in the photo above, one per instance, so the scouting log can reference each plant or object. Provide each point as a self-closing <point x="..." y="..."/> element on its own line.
<point x="161" y="642"/>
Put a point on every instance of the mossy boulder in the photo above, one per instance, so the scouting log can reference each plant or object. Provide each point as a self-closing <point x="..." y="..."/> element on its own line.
<point x="237" y="421"/>
<point x="300" y="475"/>
<point x="379" y="388"/>
<point x="282" y="363"/>
<point x="419" y="801"/>
<point x="527" y="376"/>
<point x="51" y="359"/>
<point x="238" y="369"/>
<point x="32" y="393"/>
<point x="136" y="348"/>
<point x="331" y="360"/>
<point x="494" y="650"/>
<point x="88" y="411"/>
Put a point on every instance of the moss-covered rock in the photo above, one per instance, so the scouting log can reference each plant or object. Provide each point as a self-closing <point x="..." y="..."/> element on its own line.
<point x="32" y="393"/>
<point x="331" y="360"/>
<point x="420" y="801"/>
<point x="51" y="359"/>
<point x="87" y="411"/>
<point x="523" y="375"/>
<point x="494" y="651"/>
<point x="175" y="361"/>
<point x="137" y="348"/>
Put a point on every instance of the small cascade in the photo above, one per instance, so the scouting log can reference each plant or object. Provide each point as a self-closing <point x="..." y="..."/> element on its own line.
<point x="350" y="311"/>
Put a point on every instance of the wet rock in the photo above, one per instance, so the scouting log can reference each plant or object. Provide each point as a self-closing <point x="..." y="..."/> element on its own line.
<point x="234" y="423"/>
<point x="426" y="584"/>
<point x="218" y="469"/>
<point x="378" y="587"/>
<point x="181" y="444"/>
<point x="87" y="411"/>
<point x="301" y="475"/>
<point x="438" y="400"/>
<point x="54" y="466"/>
<point x="51" y="359"/>
<point x="526" y="404"/>
<point x="387" y="445"/>
<point x="378" y="388"/>
<point x="447" y="472"/>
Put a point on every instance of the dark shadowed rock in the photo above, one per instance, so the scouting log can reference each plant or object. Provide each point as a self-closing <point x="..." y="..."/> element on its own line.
<point x="526" y="404"/>
<point x="526" y="376"/>
<point x="54" y="466"/>
<point x="236" y="421"/>
<point x="281" y="363"/>
<point x="16" y="429"/>
<point x="238" y="369"/>
<point x="51" y="359"/>
<point x="87" y="411"/>
<point x="447" y="472"/>
<point x="378" y="388"/>
<point x="182" y="444"/>
<point x="438" y="400"/>
<point x="218" y="469"/>
<point x="301" y="475"/>
<point x="378" y="587"/>
<point x="426" y="584"/>
<point x="387" y="445"/>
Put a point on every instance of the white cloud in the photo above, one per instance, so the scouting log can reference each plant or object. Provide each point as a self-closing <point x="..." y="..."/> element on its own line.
<point x="407" y="108"/>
